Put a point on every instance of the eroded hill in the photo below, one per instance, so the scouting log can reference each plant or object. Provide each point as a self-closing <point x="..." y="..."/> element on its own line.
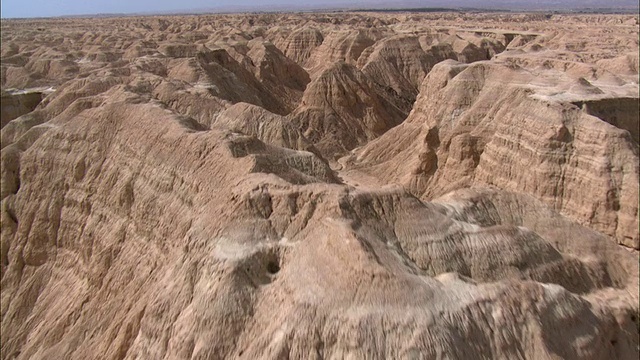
<point x="317" y="186"/>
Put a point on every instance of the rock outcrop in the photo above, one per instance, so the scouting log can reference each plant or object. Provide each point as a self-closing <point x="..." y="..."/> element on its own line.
<point x="342" y="45"/>
<point x="281" y="76"/>
<point x="340" y="110"/>
<point x="225" y="78"/>
<point x="310" y="186"/>
<point x="485" y="124"/>
<point x="299" y="45"/>
<point x="398" y="64"/>
<point x="270" y="128"/>
<point x="17" y="104"/>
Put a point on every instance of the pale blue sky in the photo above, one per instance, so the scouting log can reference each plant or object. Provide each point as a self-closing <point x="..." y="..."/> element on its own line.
<point x="40" y="8"/>
<point x="35" y="8"/>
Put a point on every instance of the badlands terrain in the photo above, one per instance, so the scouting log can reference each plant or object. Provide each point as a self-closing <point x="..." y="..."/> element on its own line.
<point x="311" y="186"/>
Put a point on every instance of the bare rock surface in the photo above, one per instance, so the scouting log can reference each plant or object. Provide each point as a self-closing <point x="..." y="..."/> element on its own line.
<point x="341" y="109"/>
<point x="310" y="186"/>
<point x="15" y="104"/>
<point x="495" y="124"/>
<point x="299" y="45"/>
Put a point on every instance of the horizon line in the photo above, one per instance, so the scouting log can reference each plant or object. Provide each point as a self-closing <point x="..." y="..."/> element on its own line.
<point x="620" y="10"/>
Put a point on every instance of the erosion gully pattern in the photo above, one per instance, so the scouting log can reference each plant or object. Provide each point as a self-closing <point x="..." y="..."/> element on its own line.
<point x="310" y="186"/>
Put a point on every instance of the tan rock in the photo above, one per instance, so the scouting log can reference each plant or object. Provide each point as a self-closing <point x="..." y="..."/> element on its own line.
<point x="342" y="45"/>
<point x="17" y="104"/>
<point x="486" y="124"/>
<point x="300" y="43"/>
<point x="340" y="110"/>
<point x="178" y="192"/>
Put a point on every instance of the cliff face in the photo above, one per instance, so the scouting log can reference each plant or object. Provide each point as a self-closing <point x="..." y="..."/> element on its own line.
<point x="104" y="220"/>
<point x="319" y="186"/>
<point x="342" y="45"/>
<point x="485" y="124"/>
<point x="15" y="105"/>
<point x="299" y="45"/>
<point x="341" y="109"/>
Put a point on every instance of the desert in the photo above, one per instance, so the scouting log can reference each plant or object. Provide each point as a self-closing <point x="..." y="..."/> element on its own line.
<point x="339" y="185"/>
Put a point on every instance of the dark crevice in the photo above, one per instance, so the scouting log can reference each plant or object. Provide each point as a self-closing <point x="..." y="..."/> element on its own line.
<point x="12" y="215"/>
<point x="273" y="267"/>
<point x="622" y="113"/>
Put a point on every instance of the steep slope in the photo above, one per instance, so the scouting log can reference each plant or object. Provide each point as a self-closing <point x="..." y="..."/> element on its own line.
<point x="225" y="78"/>
<point x="280" y="75"/>
<point x="300" y="43"/>
<point x="340" y="110"/>
<point x="196" y="102"/>
<point x="14" y="105"/>
<point x="270" y="128"/>
<point x="485" y="124"/>
<point x="398" y="64"/>
<point x="332" y="260"/>
<point x="178" y="193"/>
<point x="342" y="45"/>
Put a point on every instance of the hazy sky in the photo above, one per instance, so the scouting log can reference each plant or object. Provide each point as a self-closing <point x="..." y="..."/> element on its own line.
<point x="38" y="8"/>
<point x="34" y="8"/>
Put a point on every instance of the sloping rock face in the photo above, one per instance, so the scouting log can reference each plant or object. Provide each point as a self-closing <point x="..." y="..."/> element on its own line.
<point x="225" y="78"/>
<point x="299" y="45"/>
<point x="341" y="110"/>
<point x="310" y="186"/>
<point x="619" y="112"/>
<point x="398" y="64"/>
<point x="282" y="77"/>
<point x="15" y="105"/>
<point x="484" y="124"/>
<point x="342" y="45"/>
<point x="270" y="128"/>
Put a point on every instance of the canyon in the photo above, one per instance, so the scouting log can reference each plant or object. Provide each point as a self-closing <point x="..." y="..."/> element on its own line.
<point x="320" y="185"/>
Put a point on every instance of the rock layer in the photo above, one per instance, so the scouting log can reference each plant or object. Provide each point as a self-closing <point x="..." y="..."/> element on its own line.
<point x="484" y="124"/>
<point x="182" y="194"/>
<point x="15" y="105"/>
<point x="340" y="110"/>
